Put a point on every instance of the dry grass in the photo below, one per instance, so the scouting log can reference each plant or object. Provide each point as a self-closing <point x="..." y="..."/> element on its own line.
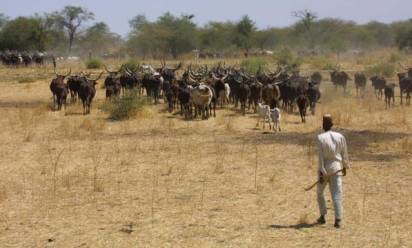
<point x="69" y="180"/>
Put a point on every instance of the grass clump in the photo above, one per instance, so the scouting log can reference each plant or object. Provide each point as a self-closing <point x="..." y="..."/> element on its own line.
<point x="385" y="69"/>
<point x="131" y="65"/>
<point x="94" y="63"/>
<point x="285" y="57"/>
<point x="254" y="65"/>
<point x="24" y="80"/>
<point x="125" y="107"/>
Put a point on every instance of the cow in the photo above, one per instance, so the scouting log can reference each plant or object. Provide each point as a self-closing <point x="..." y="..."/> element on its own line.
<point x="405" y="85"/>
<point x="222" y="89"/>
<point x="263" y="112"/>
<point x="302" y="102"/>
<point x="339" y="78"/>
<point x="255" y="94"/>
<point x="360" y="83"/>
<point x="270" y="92"/>
<point x="201" y="96"/>
<point x="316" y="77"/>
<point x="184" y="99"/>
<point x="275" y="116"/>
<point x="153" y="82"/>
<point x="313" y="94"/>
<point x="378" y="83"/>
<point x="112" y="83"/>
<point x="59" y="90"/>
<point x="389" y="95"/>
<point x="74" y="84"/>
<point x="243" y="96"/>
<point x="87" y="92"/>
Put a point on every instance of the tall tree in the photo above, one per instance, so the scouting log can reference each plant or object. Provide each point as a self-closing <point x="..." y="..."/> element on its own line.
<point x="3" y="20"/>
<point x="22" y="33"/>
<point x="98" y="39"/>
<point x="244" y="31"/>
<point x="306" y="24"/>
<point x="71" y="18"/>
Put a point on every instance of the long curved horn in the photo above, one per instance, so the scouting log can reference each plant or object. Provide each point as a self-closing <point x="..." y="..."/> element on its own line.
<point x="107" y="69"/>
<point x="121" y="68"/>
<point x="101" y="73"/>
<point x="214" y="77"/>
<point x="68" y="74"/>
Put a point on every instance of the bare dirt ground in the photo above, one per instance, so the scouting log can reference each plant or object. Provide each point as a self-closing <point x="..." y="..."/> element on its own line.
<point x="68" y="180"/>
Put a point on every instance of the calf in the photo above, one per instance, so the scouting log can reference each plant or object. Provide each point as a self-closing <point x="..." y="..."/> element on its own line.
<point x="303" y="103"/>
<point x="389" y="95"/>
<point x="275" y="115"/>
<point x="263" y="113"/>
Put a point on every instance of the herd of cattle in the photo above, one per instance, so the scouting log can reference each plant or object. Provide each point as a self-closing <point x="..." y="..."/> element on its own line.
<point x="199" y="90"/>
<point x="15" y="59"/>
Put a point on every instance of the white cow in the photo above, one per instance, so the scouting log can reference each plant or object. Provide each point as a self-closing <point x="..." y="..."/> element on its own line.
<point x="224" y="95"/>
<point x="263" y="113"/>
<point x="275" y="116"/>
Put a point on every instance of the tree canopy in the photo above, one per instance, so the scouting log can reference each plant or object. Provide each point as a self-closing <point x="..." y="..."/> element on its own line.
<point x="71" y="30"/>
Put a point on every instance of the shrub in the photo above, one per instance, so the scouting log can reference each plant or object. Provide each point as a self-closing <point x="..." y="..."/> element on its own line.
<point x="125" y="107"/>
<point x="385" y="69"/>
<point x="286" y="58"/>
<point x="94" y="64"/>
<point x="132" y="65"/>
<point x="253" y="65"/>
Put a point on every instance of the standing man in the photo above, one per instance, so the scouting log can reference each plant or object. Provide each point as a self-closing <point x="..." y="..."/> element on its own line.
<point x="333" y="162"/>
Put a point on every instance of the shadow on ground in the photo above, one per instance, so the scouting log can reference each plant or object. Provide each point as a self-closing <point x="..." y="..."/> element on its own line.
<point x="296" y="226"/>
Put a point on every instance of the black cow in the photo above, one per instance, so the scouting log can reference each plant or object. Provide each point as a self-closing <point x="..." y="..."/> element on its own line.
<point x="389" y="95"/>
<point x="313" y="94"/>
<point x="303" y="103"/>
<point x="243" y="96"/>
<point x="360" y="83"/>
<point x="378" y="83"/>
<point x="87" y="91"/>
<point x="59" y="90"/>
<point x="405" y="86"/>
<point x="339" y="78"/>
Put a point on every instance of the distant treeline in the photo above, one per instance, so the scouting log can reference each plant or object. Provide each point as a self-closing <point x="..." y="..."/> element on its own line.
<point x="64" y="32"/>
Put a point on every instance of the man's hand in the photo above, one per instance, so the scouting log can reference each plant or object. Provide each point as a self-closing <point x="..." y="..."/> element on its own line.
<point x="321" y="179"/>
<point x="344" y="172"/>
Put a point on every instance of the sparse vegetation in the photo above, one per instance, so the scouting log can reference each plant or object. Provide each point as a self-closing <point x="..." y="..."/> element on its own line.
<point x="253" y="65"/>
<point x="385" y="69"/>
<point x="94" y="63"/>
<point x="285" y="57"/>
<point x="125" y="107"/>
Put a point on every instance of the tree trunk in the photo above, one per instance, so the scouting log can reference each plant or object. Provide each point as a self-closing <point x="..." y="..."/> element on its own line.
<point x="71" y="38"/>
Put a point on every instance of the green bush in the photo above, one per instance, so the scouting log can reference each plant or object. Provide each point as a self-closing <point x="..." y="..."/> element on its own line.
<point x="286" y="58"/>
<point x="253" y="65"/>
<point x="94" y="64"/>
<point x="132" y="65"/>
<point x="385" y="69"/>
<point x="125" y="107"/>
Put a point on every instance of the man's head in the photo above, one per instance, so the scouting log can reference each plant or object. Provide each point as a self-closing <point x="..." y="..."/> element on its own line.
<point x="327" y="122"/>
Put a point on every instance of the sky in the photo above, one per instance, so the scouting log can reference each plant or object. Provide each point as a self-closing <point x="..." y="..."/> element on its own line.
<point x="266" y="13"/>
